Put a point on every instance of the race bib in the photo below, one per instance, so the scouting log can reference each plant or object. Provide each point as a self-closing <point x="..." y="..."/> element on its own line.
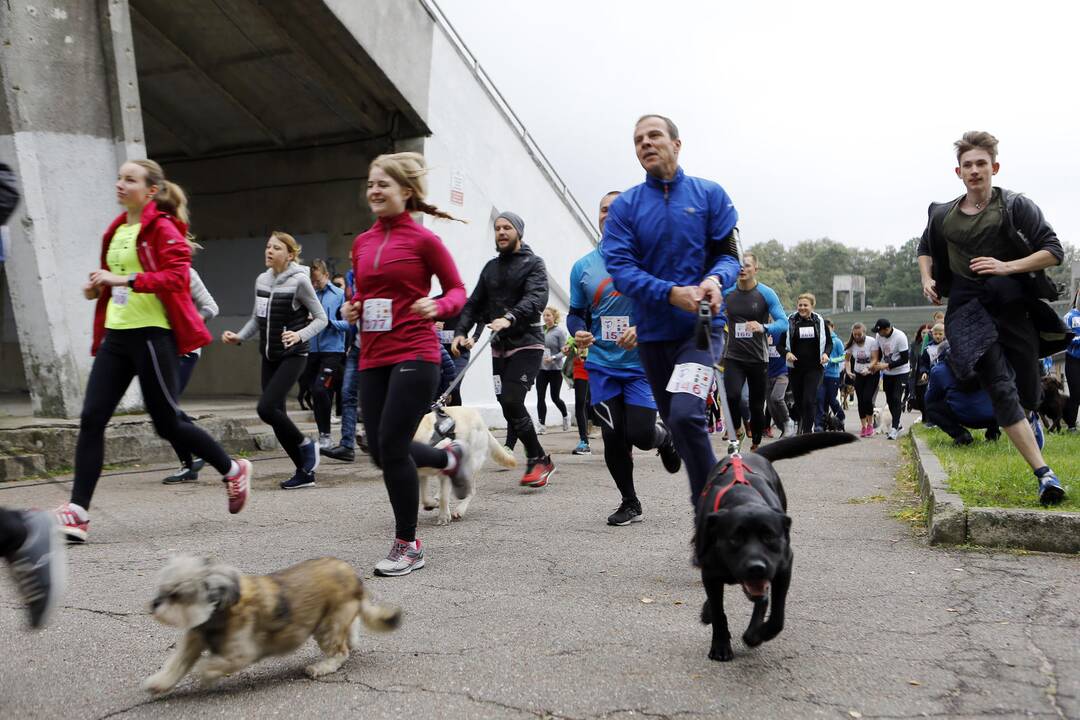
<point x="446" y="336"/>
<point x="120" y="296"/>
<point x="497" y="381"/>
<point x="806" y="332"/>
<point x="691" y="378"/>
<point x="741" y="331"/>
<point x="261" y="304"/>
<point x="613" y="326"/>
<point x="773" y="352"/>
<point x="1075" y="322"/>
<point x="378" y="315"/>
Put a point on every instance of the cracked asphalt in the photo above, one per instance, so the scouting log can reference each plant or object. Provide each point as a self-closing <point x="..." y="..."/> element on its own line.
<point x="532" y="607"/>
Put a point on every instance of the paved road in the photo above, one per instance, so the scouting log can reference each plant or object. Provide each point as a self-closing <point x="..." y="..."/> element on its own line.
<point x="533" y="607"/>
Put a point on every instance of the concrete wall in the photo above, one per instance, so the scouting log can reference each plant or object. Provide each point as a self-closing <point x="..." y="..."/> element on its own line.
<point x="473" y="142"/>
<point x="58" y="131"/>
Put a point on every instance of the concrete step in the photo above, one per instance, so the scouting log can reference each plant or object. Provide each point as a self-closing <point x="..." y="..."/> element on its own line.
<point x="21" y="466"/>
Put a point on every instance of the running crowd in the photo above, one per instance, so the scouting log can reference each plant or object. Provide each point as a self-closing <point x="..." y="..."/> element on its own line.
<point x="669" y="246"/>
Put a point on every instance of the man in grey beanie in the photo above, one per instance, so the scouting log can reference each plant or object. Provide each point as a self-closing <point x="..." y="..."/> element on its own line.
<point x="509" y="297"/>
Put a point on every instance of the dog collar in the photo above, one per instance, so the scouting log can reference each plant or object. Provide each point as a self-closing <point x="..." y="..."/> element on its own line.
<point x="735" y="464"/>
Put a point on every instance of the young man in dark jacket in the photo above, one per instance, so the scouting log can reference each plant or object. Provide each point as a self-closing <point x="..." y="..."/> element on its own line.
<point x="509" y="297"/>
<point x="987" y="252"/>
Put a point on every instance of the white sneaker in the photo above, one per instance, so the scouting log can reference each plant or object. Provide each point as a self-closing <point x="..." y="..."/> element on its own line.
<point x="565" y="423"/>
<point x="789" y="428"/>
<point x="402" y="560"/>
<point x="540" y="429"/>
<point x="893" y="433"/>
<point x="325" y="441"/>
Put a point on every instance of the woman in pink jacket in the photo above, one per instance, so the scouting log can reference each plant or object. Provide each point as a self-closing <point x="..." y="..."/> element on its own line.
<point x="399" y="350"/>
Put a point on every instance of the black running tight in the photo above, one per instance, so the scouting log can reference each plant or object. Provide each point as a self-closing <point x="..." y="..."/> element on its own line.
<point x="866" y="390"/>
<point x="150" y="355"/>
<point x="549" y="379"/>
<point x="393" y="400"/>
<point x="581" y="408"/>
<point x="625" y="427"/>
<point x="278" y="378"/>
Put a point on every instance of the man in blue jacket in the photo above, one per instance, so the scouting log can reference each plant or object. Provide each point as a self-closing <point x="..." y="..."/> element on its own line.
<point x="954" y="408"/>
<point x="669" y="243"/>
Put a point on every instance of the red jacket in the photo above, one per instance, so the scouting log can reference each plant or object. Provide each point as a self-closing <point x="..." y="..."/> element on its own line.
<point x="395" y="260"/>
<point x="166" y="258"/>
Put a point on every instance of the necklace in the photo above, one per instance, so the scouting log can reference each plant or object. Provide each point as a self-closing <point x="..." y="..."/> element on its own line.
<point x="981" y="205"/>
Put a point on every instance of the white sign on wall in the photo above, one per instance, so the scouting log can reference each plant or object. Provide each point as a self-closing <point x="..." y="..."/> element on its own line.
<point x="457" y="188"/>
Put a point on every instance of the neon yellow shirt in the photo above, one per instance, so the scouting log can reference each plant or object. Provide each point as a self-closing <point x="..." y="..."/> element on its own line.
<point x="128" y="309"/>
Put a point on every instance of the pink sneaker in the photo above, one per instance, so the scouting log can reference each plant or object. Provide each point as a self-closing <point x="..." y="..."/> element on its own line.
<point x="867" y="432"/>
<point x="239" y="486"/>
<point x="73" y="528"/>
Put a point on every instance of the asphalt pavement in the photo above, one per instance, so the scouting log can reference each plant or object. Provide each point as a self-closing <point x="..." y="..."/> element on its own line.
<point x="532" y="607"/>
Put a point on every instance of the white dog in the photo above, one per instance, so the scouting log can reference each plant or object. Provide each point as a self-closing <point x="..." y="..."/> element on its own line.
<point x="472" y="432"/>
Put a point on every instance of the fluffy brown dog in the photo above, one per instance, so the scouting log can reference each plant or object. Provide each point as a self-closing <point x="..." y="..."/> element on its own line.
<point x="240" y="619"/>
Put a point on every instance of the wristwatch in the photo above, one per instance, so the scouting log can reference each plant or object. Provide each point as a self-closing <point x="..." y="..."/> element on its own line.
<point x="131" y="280"/>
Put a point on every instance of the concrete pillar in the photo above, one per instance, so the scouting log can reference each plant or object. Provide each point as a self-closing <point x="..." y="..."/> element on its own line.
<point x="69" y="112"/>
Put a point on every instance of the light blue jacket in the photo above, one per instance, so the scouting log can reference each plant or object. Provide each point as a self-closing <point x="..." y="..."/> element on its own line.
<point x="331" y="339"/>
<point x="664" y="233"/>
<point x="836" y="358"/>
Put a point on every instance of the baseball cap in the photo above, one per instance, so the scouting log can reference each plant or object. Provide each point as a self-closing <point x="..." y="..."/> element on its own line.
<point x="881" y="324"/>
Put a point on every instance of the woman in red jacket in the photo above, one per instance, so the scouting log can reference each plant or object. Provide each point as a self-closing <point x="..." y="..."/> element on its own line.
<point x="145" y="318"/>
<point x="399" y="350"/>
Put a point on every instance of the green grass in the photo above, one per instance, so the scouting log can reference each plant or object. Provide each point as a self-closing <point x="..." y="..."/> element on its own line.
<point x="992" y="474"/>
<point x="907" y="503"/>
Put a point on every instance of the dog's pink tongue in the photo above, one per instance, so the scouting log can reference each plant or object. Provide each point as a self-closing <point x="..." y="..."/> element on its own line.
<point x="755" y="589"/>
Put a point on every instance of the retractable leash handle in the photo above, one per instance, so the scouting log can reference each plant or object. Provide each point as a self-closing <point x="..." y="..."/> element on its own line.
<point x="475" y="354"/>
<point x="703" y="340"/>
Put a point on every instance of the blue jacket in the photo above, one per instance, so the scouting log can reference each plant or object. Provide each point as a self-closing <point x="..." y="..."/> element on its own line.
<point x="332" y="338"/>
<point x="836" y="358"/>
<point x="664" y="233"/>
<point x="972" y="409"/>
<point x="1072" y="321"/>
<point x="592" y="298"/>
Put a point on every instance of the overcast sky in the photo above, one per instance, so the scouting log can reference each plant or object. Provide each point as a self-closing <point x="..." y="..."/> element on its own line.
<point x="820" y="119"/>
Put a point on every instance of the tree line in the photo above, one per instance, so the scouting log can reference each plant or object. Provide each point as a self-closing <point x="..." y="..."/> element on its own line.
<point x="892" y="274"/>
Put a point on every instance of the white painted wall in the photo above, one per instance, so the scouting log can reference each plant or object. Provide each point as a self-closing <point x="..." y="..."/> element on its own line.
<point x="471" y="136"/>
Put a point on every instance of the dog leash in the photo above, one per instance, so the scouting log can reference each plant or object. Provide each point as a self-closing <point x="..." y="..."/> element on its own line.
<point x="703" y="338"/>
<point x="444" y="424"/>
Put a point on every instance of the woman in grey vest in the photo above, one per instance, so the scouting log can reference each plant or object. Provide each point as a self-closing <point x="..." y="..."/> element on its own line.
<point x="284" y="301"/>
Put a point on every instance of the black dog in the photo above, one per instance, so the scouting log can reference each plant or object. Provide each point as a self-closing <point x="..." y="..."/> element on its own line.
<point x="742" y="537"/>
<point x="1052" y="407"/>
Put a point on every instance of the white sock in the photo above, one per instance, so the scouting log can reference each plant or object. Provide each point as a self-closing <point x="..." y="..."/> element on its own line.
<point x="234" y="470"/>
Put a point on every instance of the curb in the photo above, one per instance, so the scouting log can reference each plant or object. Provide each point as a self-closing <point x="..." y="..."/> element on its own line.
<point x="951" y="522"/>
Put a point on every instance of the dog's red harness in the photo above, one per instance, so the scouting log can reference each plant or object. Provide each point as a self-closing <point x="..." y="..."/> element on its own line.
<point x="735" y="463"/>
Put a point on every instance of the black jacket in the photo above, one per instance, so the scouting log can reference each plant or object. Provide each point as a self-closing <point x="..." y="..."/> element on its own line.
<point x="1026" y="228"/>
<point x="514" y="285"/>
<point x="9" y="193"/>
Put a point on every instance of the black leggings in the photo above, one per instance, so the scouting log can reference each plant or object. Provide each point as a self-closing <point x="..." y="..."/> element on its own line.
<point x="517" y="373"/>
<point x="150" y="355"/>
<point x="625" y="427"/>
<point x="866" y="390"/>
<point x="1072" y="377"/>
<point x="544" y="380"/>
<point x="755" y="376"/>
<point x="804" y="380"/>
<point x="12" y="532"/>
<point x="393" y="400"/>
<point x="318" y="377"/>
<point x="187" y="367"/>
<point x="278" y="377"/>
<point x="893" y="385"/>
<point x="581" y="408"/>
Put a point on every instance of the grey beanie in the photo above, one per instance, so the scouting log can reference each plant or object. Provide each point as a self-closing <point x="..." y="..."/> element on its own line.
<point x="515" y="220"/>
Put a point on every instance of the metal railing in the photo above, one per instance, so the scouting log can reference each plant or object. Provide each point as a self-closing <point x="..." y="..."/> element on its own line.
<point x="520" y="130"/>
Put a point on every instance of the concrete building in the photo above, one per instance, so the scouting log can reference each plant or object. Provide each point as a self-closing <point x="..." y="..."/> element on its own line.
<point x="268" y="114"/>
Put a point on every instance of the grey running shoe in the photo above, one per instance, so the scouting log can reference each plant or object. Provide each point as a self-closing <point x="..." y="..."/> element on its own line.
<point x="629" y="512"/>
<point x="38" y="566"/>
<point x="183" y="475"/>
<point x="325" y="441"/>
<point x="402" y="560"/>
<point x="565" y="423"/>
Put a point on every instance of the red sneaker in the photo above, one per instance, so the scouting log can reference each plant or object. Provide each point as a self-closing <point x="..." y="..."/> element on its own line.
<point x="537" y="472"/>
<point x="239" y="486"/>
<point x="73" y="525"/>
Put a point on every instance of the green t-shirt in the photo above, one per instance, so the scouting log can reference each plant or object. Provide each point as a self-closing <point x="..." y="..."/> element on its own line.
<point x="971" y="236"/>
<point x="128" y="309"/>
